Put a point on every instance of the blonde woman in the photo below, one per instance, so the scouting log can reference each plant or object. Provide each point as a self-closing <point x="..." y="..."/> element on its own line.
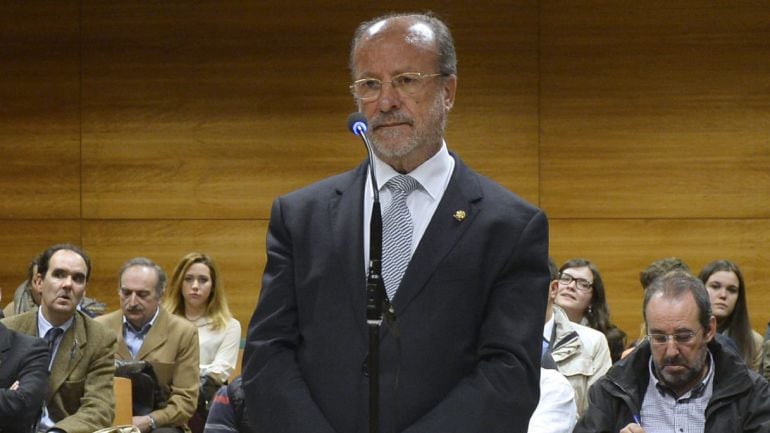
<point x="196" y="293"/>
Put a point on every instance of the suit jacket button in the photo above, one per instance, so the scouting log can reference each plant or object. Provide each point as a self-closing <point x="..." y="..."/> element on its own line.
<point x="365" y="369"/>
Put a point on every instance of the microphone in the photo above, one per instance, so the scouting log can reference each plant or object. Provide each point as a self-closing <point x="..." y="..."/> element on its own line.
<point x="378" y="306"/>
<point x="357" y="123"/>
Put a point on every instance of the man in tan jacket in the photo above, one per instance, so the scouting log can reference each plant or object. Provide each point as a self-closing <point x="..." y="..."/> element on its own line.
<point x="80" y="395"/>
<point x="146" y="332"/>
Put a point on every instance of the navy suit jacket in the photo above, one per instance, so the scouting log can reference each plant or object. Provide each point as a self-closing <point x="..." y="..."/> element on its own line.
<point x="470" y="311"/>
<point x="24" y="359"/>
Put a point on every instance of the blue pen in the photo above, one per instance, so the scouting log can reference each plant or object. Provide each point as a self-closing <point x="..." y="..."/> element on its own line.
<point x="637" y="420"/>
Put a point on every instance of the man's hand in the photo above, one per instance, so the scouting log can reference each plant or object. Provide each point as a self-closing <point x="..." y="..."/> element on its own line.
<point x="632" y="428"/>
<point x="143" y="423"/>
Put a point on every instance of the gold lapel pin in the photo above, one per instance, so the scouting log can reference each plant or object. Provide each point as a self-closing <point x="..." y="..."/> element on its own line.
<point x="459" y="215"/>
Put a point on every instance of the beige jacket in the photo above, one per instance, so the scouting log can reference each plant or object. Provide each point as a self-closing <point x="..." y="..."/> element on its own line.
<point x="171" y="346"/>
<point x="581" y="353"/>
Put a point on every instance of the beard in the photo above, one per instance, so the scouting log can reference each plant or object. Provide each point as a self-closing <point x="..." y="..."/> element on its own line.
<point x="686" y="380"/>
<point x="392" y="144"/>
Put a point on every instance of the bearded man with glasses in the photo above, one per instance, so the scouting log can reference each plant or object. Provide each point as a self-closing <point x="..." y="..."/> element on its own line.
<point x="461" y="352"/>
<point x="680" y="379"/>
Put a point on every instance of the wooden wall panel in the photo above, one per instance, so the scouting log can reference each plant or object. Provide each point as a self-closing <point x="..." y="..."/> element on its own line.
<point x="655" y="109"/>
<point x="621" y="249"/>
<point x="39" y="117"/>
<point x="183" y="119"/>
<point x="163" y="127"/>
<point x="236" y="246"/>
<point x="494" y="125"/>
<point x="22" y="240"/>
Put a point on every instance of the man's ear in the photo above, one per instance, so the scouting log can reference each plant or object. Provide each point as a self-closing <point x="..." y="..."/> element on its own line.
<point x="712" y="329"/>
<point x="450" y="89"/>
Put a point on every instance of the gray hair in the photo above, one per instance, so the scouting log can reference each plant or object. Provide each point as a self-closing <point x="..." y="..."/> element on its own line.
<point x="447" y="56"/>
<point x="145" y="263"/>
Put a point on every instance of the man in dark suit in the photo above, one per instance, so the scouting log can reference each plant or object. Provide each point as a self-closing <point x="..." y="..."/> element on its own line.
<point x="23" y="380"/>
<point x="464" y="352"/>
<point x="80" y="395"/>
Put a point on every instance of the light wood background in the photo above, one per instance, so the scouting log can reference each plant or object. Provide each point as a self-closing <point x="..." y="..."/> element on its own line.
<point x="157" y="128"/>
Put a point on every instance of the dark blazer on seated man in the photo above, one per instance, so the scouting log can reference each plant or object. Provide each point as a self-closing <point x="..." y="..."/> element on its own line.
<point x="23" y="380"/>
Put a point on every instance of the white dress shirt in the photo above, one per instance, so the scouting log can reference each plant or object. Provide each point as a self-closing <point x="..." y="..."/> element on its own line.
<point x="433" y="176"/>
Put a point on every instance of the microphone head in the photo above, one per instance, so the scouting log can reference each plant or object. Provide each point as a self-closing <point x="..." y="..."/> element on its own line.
<point x="357" y="123"/>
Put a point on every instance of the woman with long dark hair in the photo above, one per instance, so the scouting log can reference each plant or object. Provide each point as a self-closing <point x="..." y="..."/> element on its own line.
<point x="724" y="283"/>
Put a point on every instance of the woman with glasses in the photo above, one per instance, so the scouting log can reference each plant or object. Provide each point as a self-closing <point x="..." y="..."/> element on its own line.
<point x="581" y="295"/>
<point x="724" y="284"/>
<point x="196" y="293"/>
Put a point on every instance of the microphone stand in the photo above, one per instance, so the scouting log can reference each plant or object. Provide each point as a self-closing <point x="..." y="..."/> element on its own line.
<point x="377" y="303"/>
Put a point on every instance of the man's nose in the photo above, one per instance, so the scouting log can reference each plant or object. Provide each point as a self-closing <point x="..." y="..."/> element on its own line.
<point x="389" y="98"/>
<point x="672" y="349"/>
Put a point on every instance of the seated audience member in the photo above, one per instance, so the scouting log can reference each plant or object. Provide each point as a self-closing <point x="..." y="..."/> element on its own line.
<point x="27" y="297"/>
<point x="580" y="353"/>
<point x="196" y="294"/>
<point x="556" y="411"/>
<point x="581" y="295"/>
<point x="80" y="396"/>
<point x="681" y="378"/>
<point x="228" y="414"/>
<point x="724" y="283"/>
<point x="656" y="269"/>
<point x="170" y="344"/>
<point x="23" y="380"/>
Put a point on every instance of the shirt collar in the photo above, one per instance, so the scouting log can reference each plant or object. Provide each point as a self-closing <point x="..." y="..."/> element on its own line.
<point x="43" y="325"/>
<point x="431" y="174"/>
<point x="146" y="326"/>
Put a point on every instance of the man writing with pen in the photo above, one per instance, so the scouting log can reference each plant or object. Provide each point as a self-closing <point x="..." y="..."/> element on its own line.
<point x="680" y="380"/>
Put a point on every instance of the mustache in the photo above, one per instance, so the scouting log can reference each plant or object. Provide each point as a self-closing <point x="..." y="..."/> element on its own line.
<point x="675" y="361"/>
<point x="389" y="118"/>
<point x="135" y="309"/>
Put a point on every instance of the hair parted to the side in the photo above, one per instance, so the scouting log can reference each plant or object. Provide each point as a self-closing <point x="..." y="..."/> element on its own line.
<point x="45" y="258"/>
<point x="598" y="315"/>
<point x="217" y="310"/>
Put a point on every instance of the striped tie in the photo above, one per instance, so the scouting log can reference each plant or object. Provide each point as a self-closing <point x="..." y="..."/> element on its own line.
<point x="397" y="233"/>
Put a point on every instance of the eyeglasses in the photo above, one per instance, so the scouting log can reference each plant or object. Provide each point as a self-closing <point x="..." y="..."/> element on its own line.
<point x="684" y="337"/>
<point x="408" y="83"/>
<point x="580" y="283"/>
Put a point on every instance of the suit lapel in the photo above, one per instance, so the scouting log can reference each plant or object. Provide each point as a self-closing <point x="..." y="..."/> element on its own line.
<point x="116" y="324"/>
<point x="155" y="337"/>
<point x="463" y="194"/>
<point x="346" y="212"/>
<point x="69" y="353"/>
